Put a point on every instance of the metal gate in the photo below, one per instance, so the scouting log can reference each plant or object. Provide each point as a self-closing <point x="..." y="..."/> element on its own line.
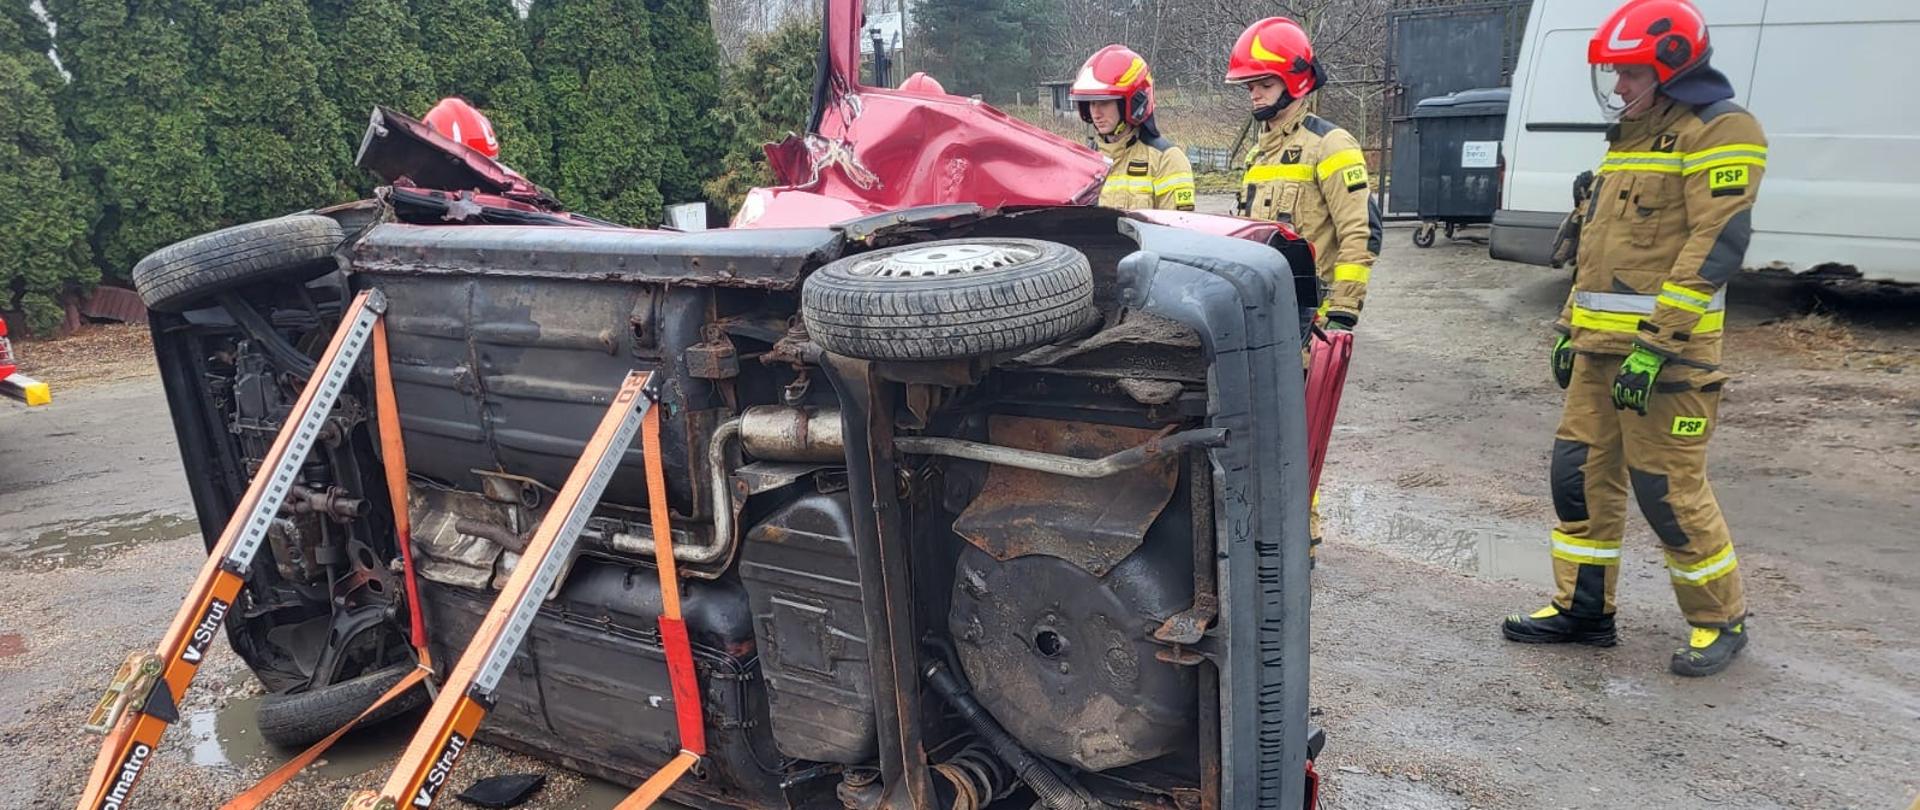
<point x="1435" y="47"/>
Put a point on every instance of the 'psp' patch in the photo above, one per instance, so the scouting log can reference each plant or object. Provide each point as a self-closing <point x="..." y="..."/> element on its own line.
<point x="1355" y="177"/>
<point x="1183" y="196"/>
<point x="1689" y="426"/>
<point x="1729" y="180"/>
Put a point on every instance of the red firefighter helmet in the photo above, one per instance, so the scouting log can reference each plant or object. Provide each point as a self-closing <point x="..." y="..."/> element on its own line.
<point x="1667" y="36"/>
<point x="454" y="118"/>
<point x="924" y="85"/>
<point x="1278" y="47"/>
<point x="1115" y="73"/>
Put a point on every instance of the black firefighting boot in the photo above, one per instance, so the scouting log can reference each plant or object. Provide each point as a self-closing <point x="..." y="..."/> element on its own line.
<point x="1550" y="626"/>
<point x="1710" y="650"/>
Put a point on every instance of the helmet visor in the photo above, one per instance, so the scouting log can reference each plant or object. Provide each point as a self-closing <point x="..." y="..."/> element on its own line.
<point x="1605" y="83"/>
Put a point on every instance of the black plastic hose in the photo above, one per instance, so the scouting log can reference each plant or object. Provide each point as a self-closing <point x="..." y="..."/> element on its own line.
<point x="1057" y="791"/>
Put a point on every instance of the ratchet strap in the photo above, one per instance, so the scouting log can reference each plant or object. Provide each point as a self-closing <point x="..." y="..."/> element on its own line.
<point x="673" y="633"/>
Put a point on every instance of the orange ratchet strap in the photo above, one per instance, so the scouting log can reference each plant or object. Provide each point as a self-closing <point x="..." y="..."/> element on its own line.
<point x="144" y="697"/>
<point x="673" y="636"/>
<point x="393" y="455"/>
<point x="469" y="692"/>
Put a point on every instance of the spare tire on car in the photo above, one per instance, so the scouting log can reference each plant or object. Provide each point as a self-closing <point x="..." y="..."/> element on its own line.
<point x="296" y="248"/>
<point x="949" y="299"/>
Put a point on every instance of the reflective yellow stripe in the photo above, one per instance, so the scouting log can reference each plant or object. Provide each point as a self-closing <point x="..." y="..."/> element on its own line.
<point x="1730" y="161"/>
<point x="1585" y="551"/>
<point x="1683" y="304"/>
<point x="1674" y="289"/>
<point x="1130" y="183"/>
<point x="1629" y="323"/>
<point x="1162" y="185"/>
<point x="1598" y="321"/>
<point x="1657" y="162"/>
<point x="1733" y="154"/>
<point x="1340" y="160"/>
<point x="1133" y="72"/>
<point x="1268" y="173"/>
<point x="1351" y="272"/>
<point x="1714" y="567"/>
<point x="1653" y="168"/>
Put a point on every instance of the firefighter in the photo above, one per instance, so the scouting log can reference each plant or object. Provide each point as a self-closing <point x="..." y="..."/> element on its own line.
<point x="1114" y="92"/>
<point x="1638" y="350"/>
<point x="1306" y="171"/>
<point x="454" y="118"/>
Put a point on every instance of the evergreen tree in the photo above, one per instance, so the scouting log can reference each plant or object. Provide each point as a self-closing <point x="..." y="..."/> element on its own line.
<point x="276" y="139"/>
<point x="139" y="132"/>
<point x="596" y="62"/>
<point x="477" y="50"/>
<point x="43" y="207"/>
<point x="687" y="67"/>
<point x="985" y="47"/>
<point x="373" y="57"/>
<point x="768" y="95"/>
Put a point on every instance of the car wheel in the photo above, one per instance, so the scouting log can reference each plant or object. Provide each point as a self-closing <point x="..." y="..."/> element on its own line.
<point x="303" y="718"/>
<point x="295" y="248"/>
<point x="950" y="299"/>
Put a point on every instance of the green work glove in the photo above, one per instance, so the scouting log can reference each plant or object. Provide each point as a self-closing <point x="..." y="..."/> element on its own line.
<point x="1635" y="383"/>
<point x="1341" y="321"/>
<point x="1562" y="360"/>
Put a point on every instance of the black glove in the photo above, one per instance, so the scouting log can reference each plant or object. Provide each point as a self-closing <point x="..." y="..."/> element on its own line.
<point x="1635" y="383"/>
<point x="1566" y="240"/>
<point x="1562" y="361"/>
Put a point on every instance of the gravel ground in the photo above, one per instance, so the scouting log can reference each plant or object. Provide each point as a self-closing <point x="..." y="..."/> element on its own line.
<point x="1437" y="510"/>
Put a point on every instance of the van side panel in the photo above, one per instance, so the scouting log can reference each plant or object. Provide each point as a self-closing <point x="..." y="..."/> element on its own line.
<point x="1843" y="165"/>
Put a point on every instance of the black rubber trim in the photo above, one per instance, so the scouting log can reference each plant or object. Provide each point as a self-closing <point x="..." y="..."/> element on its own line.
<point x="1651" y="489"/>
<point x="1570" y="480"/>
<point x="1589" y="592"/>
<point x="1564" y="126"/>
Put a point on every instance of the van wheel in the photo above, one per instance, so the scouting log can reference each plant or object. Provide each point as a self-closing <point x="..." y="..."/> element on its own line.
<point x="297" y="248"/>
<point x="948" y="300"/>
<point x="304" y="718"/>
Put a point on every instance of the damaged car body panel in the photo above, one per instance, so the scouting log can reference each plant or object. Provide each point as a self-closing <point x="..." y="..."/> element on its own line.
<point x="1067" y="570"/>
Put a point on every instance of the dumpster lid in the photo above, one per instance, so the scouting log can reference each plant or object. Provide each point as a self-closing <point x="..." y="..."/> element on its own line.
<point x="1479" y="101"/>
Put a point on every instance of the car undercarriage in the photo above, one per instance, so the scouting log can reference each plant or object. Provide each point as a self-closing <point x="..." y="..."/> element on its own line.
<point x="974" y="504"/>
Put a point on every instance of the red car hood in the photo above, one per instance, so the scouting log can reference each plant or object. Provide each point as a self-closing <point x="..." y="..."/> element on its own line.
<point x="872" y="150"/>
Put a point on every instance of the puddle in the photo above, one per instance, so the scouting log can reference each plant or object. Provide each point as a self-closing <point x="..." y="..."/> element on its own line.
<point x="227" y="737"/>
<point x="1432" y="530"/>
<point x="78" y="543"/>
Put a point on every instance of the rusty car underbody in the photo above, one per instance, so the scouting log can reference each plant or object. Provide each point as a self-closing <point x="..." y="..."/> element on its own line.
<point x="1071" y="574"/>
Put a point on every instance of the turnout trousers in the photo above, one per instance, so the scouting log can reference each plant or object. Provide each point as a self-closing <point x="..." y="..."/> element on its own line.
<point x="1599" y="450"/>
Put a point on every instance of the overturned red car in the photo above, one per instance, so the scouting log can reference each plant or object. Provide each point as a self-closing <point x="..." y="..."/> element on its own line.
<point x="980" y="496"/>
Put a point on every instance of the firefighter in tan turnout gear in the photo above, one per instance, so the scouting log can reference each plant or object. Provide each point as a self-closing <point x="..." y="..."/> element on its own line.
<point x="1662" y="232"/>
<point x="1306" y="172"/>
<point x="1114" y="92"/>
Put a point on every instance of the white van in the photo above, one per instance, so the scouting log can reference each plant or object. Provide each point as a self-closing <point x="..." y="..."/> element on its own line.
<point x="1833" y="84"/>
